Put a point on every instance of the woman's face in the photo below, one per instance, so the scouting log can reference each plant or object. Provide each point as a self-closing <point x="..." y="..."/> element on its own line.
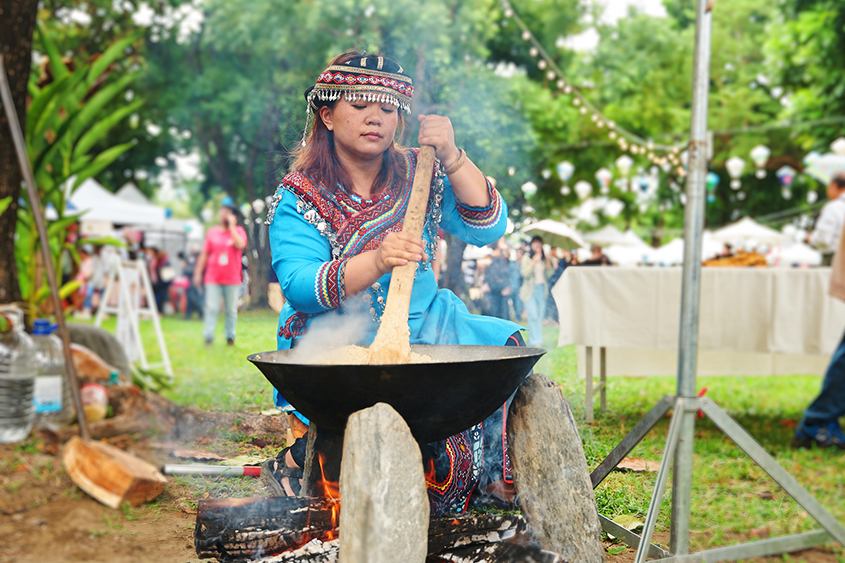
<point x="223" y="215"/>
<point x="536" y="246"/>
<point x="361" y="129"/>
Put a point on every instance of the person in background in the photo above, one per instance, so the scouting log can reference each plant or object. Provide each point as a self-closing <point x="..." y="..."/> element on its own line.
<point x="161" y="275"/>
<point x="562" y="264"/>
<point x="498" y="280"/>
<point x="828" y="228"/>
<point x="597" y="258"/>
<point x="536" y="268"/>
<point x="218" y="269"/>
<point x="516" y="283"/>
<point x="820" y="424"/>
<point x="193" y="296"/>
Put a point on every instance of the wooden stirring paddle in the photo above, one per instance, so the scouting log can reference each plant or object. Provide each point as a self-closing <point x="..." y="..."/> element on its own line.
<point x="392" y="344"/>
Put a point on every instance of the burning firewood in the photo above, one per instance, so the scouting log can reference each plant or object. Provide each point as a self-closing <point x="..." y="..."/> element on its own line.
<point x="246" y="529"/>
<point x="495" y="553"/>
<point x="288" y="529"/>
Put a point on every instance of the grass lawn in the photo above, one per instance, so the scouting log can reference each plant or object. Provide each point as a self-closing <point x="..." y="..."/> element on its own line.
<point x="732" y="497"/>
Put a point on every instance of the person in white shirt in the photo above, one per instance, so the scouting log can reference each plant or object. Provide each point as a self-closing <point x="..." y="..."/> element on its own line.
<point x="829" y="225"/>
<point x="820" y="424"/>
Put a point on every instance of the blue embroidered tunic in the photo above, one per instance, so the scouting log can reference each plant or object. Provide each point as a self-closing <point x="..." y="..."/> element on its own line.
<point x="314" y="231"/>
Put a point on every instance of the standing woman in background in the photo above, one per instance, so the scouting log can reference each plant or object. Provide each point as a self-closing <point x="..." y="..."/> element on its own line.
<point x="536" y="268"/>
<point x="219" y="269"/>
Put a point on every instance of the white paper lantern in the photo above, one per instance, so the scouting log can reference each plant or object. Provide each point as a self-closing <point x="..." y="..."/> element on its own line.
<point x="258" y="206"/>
<point x="624" y="164"/>
<point x="838" y="146"/>
<point x="812" y="197"/>
<point x="583" y="189"/>
<point x="760" y="156"/>
<point x="565" y="170"/>
<point x="565" y="190"/>
<point x="529" y="189"/>
<point x="735" y="166"/>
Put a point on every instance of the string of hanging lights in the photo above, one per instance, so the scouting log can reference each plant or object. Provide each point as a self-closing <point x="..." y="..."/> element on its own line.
<point x="627" y="141"/>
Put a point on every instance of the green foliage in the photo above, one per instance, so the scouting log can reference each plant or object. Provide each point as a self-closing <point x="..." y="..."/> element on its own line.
<point x="806" y="46"/>
<point x="66" y="124"/>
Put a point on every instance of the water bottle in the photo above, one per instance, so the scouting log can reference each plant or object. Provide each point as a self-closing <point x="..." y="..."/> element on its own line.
<point x="53" y="402"/>
<point x="17" y="376"/>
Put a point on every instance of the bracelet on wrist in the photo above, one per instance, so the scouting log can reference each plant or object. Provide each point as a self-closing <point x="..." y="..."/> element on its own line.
<point x="455" y="166"/>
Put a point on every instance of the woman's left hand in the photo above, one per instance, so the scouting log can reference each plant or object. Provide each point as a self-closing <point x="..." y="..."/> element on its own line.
<point x="436" y="131"/>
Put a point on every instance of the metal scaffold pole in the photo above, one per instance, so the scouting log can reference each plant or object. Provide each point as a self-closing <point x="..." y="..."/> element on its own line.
<point x="691" y="289"/>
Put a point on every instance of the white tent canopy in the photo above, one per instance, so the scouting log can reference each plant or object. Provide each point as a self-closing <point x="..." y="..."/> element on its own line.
<point x="748" y="230"/>
<point x="99" y="204"/>
<point x="608" y="236"/>
<point x="798" y="254"/>
<point x="672" y="253"/>
<point x="634" y="240"/>
<point x="132" y="194"/>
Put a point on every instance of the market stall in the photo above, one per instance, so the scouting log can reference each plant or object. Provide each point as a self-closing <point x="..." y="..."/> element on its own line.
<point x="754" y="321"/>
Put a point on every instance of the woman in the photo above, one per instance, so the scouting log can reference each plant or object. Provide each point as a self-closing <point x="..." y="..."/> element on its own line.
<point x="336" y="234"/>
<point x="219" y="269"/>
<point x="536" y="267"/>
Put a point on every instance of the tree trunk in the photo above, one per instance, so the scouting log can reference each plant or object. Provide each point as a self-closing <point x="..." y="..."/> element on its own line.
<point x="17" y="22"/>
<point x="453" y="277"/>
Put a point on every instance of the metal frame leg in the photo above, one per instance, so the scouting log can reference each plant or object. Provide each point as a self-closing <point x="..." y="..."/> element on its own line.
<point x="588" y="370"/>
<point x="662" y="477"/>
<point x="634" y="437"/>
<point x="603" y="379"/>
<point x="767" y="463"/>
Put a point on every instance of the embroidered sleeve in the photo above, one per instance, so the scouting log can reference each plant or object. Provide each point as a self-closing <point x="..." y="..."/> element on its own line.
<point x="329" y="284"/>
<point x="482" y="217"/>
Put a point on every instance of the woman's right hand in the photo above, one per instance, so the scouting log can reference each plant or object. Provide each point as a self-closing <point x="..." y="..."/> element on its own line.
<point x="397" y="249"/>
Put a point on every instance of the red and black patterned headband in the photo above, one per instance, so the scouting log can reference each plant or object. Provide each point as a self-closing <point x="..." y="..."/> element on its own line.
<point x="371" y="78"/>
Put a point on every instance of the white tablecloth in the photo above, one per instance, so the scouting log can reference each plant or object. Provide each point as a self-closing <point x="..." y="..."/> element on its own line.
<point x="753" y="312"/>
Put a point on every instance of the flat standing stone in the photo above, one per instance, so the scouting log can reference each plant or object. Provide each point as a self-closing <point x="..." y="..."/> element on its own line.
<point x="384" y="509"/>
<point x="550" y="472"/>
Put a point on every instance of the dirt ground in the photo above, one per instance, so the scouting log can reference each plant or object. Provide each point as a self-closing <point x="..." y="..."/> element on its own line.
<point x="44" y="517"/>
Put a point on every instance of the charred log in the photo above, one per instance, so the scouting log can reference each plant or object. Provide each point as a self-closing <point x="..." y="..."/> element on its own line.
<point x="250" y="528"/>
<point x="450" y="533"/>
<point x="496" y="553"/>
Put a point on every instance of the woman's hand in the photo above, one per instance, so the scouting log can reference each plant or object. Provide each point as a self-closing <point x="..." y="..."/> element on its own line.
<point x="397" y="249"/>
<point x="436" y="131"/>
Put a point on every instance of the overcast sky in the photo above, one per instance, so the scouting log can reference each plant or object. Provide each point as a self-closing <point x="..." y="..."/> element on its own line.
<point x="613" y="10"/>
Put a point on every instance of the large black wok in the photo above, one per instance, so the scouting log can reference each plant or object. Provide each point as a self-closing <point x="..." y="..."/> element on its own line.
<point x="463" y="386"/>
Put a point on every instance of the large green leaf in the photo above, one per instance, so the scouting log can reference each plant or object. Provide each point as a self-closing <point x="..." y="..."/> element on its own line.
<point x="44" y="111"/>
<point x="4" y="204"/>
<point x="56" y="65"/>
<point x="55" y="227"/>
<point x="91" y="110"/>
<point x="103" y="159"/>
<point x="110" y="55"/>
<point x="95" y="133"/>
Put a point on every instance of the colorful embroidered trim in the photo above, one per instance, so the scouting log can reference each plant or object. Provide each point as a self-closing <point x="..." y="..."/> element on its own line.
<point x="482" y="217"/>
<point x="329" y="285"/>
<point x="294" y="326"/>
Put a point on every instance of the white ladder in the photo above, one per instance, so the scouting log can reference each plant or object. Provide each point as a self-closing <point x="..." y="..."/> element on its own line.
<point x="126" y="306"/>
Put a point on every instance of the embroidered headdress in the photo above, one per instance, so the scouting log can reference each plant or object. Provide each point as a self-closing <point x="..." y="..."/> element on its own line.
<point x="370" y="78"/>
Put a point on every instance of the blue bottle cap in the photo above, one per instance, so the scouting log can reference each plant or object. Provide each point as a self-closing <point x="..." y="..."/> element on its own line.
<point x="42" y="327"/>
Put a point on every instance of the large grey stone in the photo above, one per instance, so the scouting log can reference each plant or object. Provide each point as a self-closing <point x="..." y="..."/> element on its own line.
<point x="384" y="510"/>
<point x="550" y="472"/>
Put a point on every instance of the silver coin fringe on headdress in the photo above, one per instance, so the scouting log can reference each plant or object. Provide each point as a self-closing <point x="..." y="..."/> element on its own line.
<point x="370" y="79"/>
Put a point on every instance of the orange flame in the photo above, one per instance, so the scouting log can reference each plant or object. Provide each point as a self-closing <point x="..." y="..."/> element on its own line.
<point x="430" y="476"/>
<point x="331" y="492"/>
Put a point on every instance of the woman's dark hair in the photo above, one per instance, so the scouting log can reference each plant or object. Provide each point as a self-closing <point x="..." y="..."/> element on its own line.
<point x="839" y="180"/>
<point x="318" y="158"/>
<point x="531" y="249"/>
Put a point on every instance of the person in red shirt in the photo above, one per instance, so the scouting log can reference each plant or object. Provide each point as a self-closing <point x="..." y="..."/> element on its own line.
<point x="219" y="270"/>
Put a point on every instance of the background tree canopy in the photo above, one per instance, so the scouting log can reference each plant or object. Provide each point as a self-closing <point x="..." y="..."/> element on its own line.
<point x="222" y="84"/>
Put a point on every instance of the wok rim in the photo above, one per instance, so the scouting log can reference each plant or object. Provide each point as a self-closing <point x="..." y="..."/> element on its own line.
<point x="519" y="352"/>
